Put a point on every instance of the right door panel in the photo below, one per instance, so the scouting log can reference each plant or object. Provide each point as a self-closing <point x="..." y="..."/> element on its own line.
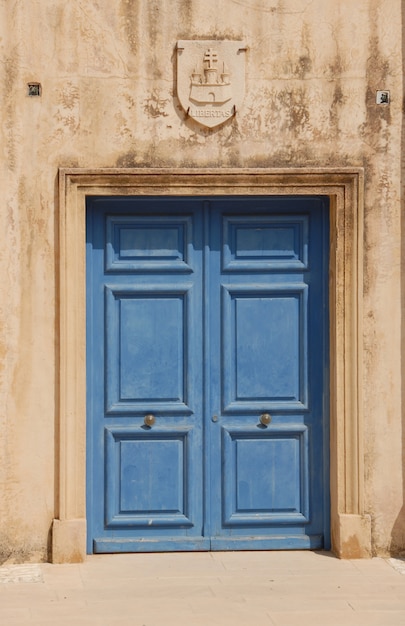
<point x="267" y="380"/>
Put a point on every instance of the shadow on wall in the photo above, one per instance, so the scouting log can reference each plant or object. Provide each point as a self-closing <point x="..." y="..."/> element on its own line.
<point x="398" y="530"/>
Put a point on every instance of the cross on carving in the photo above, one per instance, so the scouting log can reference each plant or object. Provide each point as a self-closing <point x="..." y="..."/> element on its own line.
<point x="211" y="57"/>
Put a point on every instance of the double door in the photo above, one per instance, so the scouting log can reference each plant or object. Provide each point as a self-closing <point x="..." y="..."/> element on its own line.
<point x="207" y="378"/>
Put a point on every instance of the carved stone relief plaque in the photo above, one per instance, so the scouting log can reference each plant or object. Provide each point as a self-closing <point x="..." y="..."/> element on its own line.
<point x="211" y="79"/>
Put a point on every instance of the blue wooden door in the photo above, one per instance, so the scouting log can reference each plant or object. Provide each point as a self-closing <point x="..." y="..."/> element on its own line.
<point x="207" y="373"/>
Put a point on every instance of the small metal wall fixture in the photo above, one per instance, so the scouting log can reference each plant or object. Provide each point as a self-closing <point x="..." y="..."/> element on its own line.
<point x="34" y="89"/>
<point x="382" y="97"/>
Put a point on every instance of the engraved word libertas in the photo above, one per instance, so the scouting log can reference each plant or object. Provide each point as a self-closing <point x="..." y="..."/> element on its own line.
<point x="210" y="79"/>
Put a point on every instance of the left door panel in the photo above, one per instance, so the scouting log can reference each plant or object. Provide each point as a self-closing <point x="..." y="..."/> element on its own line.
<point x="144" y="358"/>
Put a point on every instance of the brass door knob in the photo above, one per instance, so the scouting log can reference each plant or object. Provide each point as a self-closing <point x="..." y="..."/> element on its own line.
<point x="149" y="419"/>
<point x="265" y="419"/>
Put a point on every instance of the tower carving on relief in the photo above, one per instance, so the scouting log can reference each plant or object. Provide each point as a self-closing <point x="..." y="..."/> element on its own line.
<point x="210" y="86"/>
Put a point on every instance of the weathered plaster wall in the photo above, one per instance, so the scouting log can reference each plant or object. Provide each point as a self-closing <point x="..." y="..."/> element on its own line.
<point x="107" y="75"/>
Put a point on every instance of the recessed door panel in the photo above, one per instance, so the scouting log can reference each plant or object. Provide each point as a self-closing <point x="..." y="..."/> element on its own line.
<point x="146" y="481"/>
<point x="139" y="243"/>
<point x="265" y="476"/>
<point x="264" y="346"/>
<point x="148" y="351"/>
<point x="207" y="373"/>
<point x="265" y="242"/>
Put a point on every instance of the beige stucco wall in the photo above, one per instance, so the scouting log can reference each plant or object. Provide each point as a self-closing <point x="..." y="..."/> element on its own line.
<point x="107" y="76"/>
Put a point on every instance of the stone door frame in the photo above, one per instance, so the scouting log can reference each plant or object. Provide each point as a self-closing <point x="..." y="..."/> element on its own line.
<point x="350" y="527"/>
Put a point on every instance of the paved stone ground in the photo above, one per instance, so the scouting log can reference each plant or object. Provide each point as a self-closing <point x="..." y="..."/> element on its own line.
<point x="206" y="589"/>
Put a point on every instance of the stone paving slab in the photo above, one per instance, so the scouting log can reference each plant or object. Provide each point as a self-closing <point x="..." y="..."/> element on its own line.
<point x="398" y="564"/>
<point x="205" y="589"/>
<point x="30" y="573"/>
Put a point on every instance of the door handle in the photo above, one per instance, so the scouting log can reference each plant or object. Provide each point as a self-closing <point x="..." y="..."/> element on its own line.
<point x="265" y="419"/>
<point x="149" y="420"/>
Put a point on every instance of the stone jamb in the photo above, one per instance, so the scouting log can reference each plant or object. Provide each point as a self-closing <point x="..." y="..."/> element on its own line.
<point x="350" y="528"/>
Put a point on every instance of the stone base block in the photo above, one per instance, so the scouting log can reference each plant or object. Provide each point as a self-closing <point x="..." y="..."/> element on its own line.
<point x="68" y="541"/>
<point x="351" y="537"/>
